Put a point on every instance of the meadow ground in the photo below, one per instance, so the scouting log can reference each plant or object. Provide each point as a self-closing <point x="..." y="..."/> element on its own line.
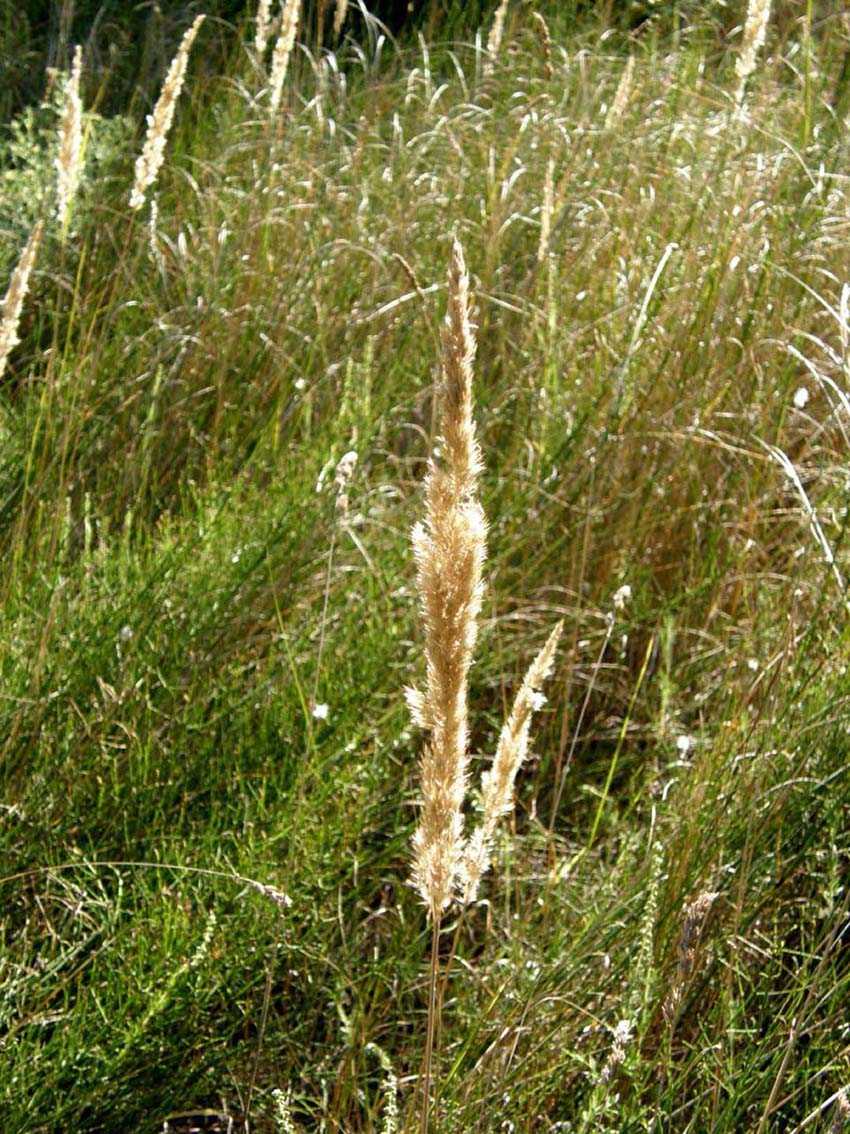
<point x="209" y="773"/>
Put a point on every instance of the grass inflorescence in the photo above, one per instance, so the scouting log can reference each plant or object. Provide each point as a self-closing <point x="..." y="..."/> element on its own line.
<point x="223" y="413"/>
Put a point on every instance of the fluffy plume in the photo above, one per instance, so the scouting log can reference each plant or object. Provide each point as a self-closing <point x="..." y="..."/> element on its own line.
<point x="755" y="30"/>
<point x="263" y="23"/>
<point x="497" y="785"/>
<point x="149" y="161"/>
<point x="450" y="549"/>
<point x="494" y="39"/>
<point x="14" y="301"/>
<point x="70" y="142"/>
<point x="282" y="51"/>
<point x="339" y="16"/>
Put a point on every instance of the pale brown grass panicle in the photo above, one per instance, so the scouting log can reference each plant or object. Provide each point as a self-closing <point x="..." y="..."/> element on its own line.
<point x="546" y="44"/>
<point x="450" y="550"/>
<point x="494" y="39"/>
<point x="497" y="785"/>
<point x="339" y="17"/>
<point x="262" y="25"/>
<point x="15" y="295"/>
<point x="150" y="160"/>
<point x="283" y="50"/>
<point x="755" y="30"/>
<point x="70" y="141"/>
<point x="692" y="926"/>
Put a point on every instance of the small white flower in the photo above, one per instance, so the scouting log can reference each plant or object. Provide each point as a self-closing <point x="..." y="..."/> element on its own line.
<point x="320" y="712"/>
<point x="801" y="398"/>
<point x="685" y="744"/>
<point x="621" y="596"/>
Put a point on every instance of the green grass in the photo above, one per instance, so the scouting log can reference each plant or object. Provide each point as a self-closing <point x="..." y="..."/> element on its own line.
<point x="164" y="424"/>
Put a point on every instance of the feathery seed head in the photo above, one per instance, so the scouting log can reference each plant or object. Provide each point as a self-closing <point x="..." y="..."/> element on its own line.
<point x="755" y="30"/>
<point x="261" y="31"/>
<point x="339" y="16"/>
<point x="494" y="39"/>
<point x="15" y="294"/>
<point x="150" y="160"/>
<point x="70" y="141"/>
<point x="282" y="51"/>
<point x="497" y="785"/>
<point x="450" y="549"/>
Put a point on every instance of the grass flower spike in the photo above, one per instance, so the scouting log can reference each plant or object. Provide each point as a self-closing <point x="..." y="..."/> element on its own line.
<point x="283" y="50"/>
<point x="70" y="142"/>
<point x="450" y="549"/>
<point x="339" y="16"/>
<point x="755" y="30"/>
<point x="149" y="161"/>
<point x="497" y="785"/>
<point x="15" y="295"/>
<point x="263" y="23"/>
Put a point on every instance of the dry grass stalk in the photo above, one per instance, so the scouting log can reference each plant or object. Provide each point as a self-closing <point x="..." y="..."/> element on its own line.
<point x="547" y="210"/>
<point x="262" y="27"/>
<point x="70" y="142"/>
<point x="339" y="17"/>
<point x="546" y="42"/>
<point x="497" y="785"/>
<point x="494" y="39"/>
<point x="755" y="30"/>
<point x="15" y="294"/>
<point x="450" y="549"/>
<point x="149" y="161"/>
<point x="282" y="51"/>
<point x="621" y="98"/>
<point x="692" y="926"/>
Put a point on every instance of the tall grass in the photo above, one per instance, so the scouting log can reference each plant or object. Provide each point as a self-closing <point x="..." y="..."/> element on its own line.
<point x="205" y="890"/>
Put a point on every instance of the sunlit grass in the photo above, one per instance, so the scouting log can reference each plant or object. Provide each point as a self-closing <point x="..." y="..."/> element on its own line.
<point x="200" y="700"/>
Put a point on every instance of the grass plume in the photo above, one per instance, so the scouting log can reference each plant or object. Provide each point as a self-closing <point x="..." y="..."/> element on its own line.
<point x="755" y="31"/>
<point x="15" y="294"/>
<point x="282" y="51"/>
<point x="68" y="159"/>
<point x="150" y="159"/>
<point x="450" y="549"/>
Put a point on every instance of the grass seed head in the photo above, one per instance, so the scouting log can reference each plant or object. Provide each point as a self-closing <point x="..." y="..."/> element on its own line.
<point x="282" y="51"/>
<point x="450" y="550"/>
<point x="150" y="160"/>
<point x="15" y="294"/>
<point x="262" y="26"/>
<point x="755" y="30"/>
<point x="339" y="17"/>
<point x="497" y="785"/>
<point x="70" y="142"/>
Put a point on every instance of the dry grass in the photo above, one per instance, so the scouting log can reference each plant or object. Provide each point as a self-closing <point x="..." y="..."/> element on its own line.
<point x="194" y="567"/>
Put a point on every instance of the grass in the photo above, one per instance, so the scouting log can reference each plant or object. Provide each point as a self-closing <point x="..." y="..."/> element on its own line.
<point x="180" y="391"/>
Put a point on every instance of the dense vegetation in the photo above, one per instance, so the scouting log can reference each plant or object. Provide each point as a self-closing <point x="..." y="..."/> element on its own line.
<point x="209" y="774"/>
